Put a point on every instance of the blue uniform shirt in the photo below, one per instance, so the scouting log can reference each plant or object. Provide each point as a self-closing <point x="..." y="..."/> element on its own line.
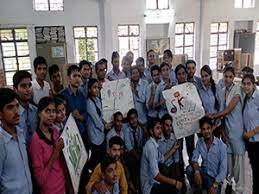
<point x="116" y="189"/>
<point x="113" y="76"/>
<point x="147" y="74"/>
<point x="151" y="112"/>
<point x="84" y="88"/>
<point x="112" y="133"/>
<point x="130" y="133"/>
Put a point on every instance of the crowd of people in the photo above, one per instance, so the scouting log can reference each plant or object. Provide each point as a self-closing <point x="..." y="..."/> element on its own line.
<point x="136" y="153"/>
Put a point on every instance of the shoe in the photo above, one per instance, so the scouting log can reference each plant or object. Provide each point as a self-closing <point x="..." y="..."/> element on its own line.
<point x="228" y="189"/>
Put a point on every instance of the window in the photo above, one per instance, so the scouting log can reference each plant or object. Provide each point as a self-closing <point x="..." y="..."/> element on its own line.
<point x="48" y="5"/>
<point x="86" y="43"/>
<point x="157" y="4"/>
<point x="244" y="3"/>
<point x="257" y="45"/>
<point x="129" y="39"/>
<point x="184" y="39"/>
<point x="218" y="40"/>
<point x="15" y="52"/>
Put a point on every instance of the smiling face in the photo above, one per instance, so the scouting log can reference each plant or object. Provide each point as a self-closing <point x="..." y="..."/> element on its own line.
<point x="228" y="78"/>
<point x="248" y="86"/>
<point x="191" y="69"/>
<point x="181" y="76"/>
<point x="205" y="77"/>
<point x="10" y="113"/>
<point x="151" y="58"/>
<point x="94" y="90"/>
<point x="206" y="131"/>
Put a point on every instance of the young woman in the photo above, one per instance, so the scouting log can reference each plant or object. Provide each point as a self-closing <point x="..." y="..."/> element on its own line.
<point x="231" y="107"/>
<point x="60" y="104"/>
<point x="45" y="151"/>
<point x="251" y="123"/>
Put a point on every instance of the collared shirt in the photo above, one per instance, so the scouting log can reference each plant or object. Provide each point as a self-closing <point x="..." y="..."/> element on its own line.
<point x="15" y="176"/>
<point x="151" y="112"/>
<point x="84" y="88"/>
<point x="116" y="189"/>
<point x="196" y="81"/>
<point x="140" y="100"/>
<point x="114" y="76"/>
<point x="214" y="160"/>
<point x="38" y="92"/>
<point x="149" y="165"/>
<point x="40" y="150"/>
<point x="95" y="121"/>
<point x="28" y="121"/>
<point x="113" y="133"/>
<point x="134" y="138"/>
<point x="172" y="77"/>
<point x="165" y="145"/>
<point x="76" y="102"/>
<point x="147" y="74"/>
<point x="251" y="114"/>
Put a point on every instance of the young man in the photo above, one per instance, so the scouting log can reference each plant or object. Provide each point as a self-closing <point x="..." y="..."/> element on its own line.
<point x="85" y="70"/>
<point x="28" y="112"/>
<point x="152" y="181"/>
<point x="140" y="63"/>
<point x="15" y="174"/>
<point x="101" y="69"/>
<point x="151" y="57"/>
<point x="76" y="103"/>
<point x="55" y="78"/>
<point x="130" y="56"/>
<point x="191" y="70"/>
<point x="115" y="73"/>
<point x="40" y="88"/>
<point x="168" y="58"/>
<point x="213" y="170"/>
<point x="114" y="151"/>
<point x="109" y="176"/>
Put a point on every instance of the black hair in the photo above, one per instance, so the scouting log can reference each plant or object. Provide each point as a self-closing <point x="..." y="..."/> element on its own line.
<point x="189" y="62"/>
<point x="60" y="99"/>
<point x="91" y="82"/>
<point x="39" y="60"/>
<point x="204" y="120"/>
<point x="247" y="69"/>
<point x="71" y="69"/>
<point x="107" y="161"/>
<point x="98" y="63"/>
<point x="162" y="65"/>
<point x="130" y="112"/>
<point x="105" y="61"/>
<point x="132" y="68"/>
<point x="118" y="113"/>
<point x="151" y="50"/>
<point x="152" y="123"/>
<point x="141" y="59"/>
<point x="53" y="69"/>
<point x="115" y="54"/>
<point x="229" y="69"/>
<point x="116" y="140"/>
<point x="180" y="66"/>
<point x="166" y="117"/>
<point x="251" y="77"/>
<point x="44" y="102"/>
<point x="153" y="68"/>
<point x="168" y="52"/>
<point x="7" y="95"/>
<point x="129" y="52"/>
<point x="19" y="76"/>
<point x="85" y="62"/>
<point x="208" y="70"/>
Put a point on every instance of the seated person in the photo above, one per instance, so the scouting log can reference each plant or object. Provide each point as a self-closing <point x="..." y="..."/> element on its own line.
<point x="213" y="170"/>
<point x="95" y="182"/>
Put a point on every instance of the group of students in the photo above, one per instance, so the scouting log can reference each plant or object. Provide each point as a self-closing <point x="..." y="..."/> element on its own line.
<point x="138" y="153"/>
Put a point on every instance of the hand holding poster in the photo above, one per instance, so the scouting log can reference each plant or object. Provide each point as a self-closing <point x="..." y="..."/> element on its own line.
<point x="74" y="151"/>
<point x="184" y="105"/>
<point x="116" y="96"/>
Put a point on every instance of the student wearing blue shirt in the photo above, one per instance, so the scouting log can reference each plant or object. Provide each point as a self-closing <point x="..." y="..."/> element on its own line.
<point x="140" y="63"/>
<point x="251" y="123"/>
<point x="56" y="79"/>
<point x="86" y="72"/>
<point x="152" y="181"/>
<point x="151" y="60"/>
<point x="168" y="58"/>
<point x="138" y="87"/>
<point x="213" y="170"/>
<point x="28" y="112"/>
<point x="231" y="110"/>
<point x="115" y="73"/>
<point x="15" y="176"/>
<point x="191" y="70"/>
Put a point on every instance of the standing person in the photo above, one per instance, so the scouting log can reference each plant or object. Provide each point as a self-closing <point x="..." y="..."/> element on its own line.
<point x="15" y="176"/>
<point x="125" y="64"/>
<point x="140" y="63"/>
<point x="213" y="170"/>
<point x="151" y="58"/>
<point x="115" y="73"/>
<point x="100" y="69"/>
<point x="28" y="112"/>
<point x="61" y="109"/>
<point x="168" y="58"/>
<point x="95" y="123"/>
<point x="231" y="110"/>
<point x="130" y="56"/>
<point x="138" y="87"/>
<point x="191" y="70"/>
<point x="251" y="123"/>
<point x="86" y="71"/>
<point x="40" y="87"/>
<point x="55" y="78"/>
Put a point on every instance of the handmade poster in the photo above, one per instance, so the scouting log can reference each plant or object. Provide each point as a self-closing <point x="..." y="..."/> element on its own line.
<point x="184" y="105"/>
<point x="116" y="96"/>
<point x="74" y="151"/>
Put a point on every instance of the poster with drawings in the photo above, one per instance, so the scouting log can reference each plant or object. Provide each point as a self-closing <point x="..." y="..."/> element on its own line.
<point x="74" y="151"/>
<point x="184" y="105"/>
<point x="116" y="96"/>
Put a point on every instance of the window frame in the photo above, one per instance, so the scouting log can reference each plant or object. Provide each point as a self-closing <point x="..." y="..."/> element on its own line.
<point x="49" y="6"/>
<point x="256" y="54"/>
<point x="243" y="5"/>
<point x="157" y="5"/>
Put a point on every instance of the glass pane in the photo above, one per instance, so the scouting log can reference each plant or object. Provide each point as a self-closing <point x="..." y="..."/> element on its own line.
<point x="189" y="51"/>
<point x="213" y="63"/>
<point x="24" y="63"/>
<point x="8" y="49"/>
<point x="79" y="32"/>
<point x="90" y="55"/>
<point x="214" y="39"/>
<point x="123" y="31"/>
<point x="248" y="3"/>
<point x="222" y="48"/>
<point x="56" y="5"/>
<point x="134" y="43"/>
<point x="41" y="5"/>
<point x="179" y="28"/>
<point x="21" y="34"/>
<point x="189" y="28"/>
<point x="10" y="64"/>
<point x="238" y="3"/>
<point x="123" y="45"/>
<point x="213" y="51"/>
<point x="136" y="55"/>
<point x="179" y="51"/>
<point x="163" y="4"/>
<point x="91" y="32"/>
<point x="222" y="39"/>
<point x="178" y="40"/>
<point x="151" y="4"/>
<point x="9" y="78"/>
<point x="80" y="49"/>
<point x="92" y="45"/>
<point x="96" y="57"/>
<point x="134" y="30"/>
<point x="223" y="27"/>
<point x="6" y="35"/>
<point x="188" y="40"/>
<point x="214" y="27"/>
<point x="22" y="48"/>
